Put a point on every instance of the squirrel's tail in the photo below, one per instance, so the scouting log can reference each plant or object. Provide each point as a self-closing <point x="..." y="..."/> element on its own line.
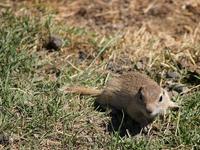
<point x="81" y="90"/>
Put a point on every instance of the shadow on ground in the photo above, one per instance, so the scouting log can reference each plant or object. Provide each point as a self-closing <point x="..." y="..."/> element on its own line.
<point x="120" y="122"/>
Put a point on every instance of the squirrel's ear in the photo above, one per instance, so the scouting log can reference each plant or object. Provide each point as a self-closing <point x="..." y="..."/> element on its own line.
<point x="140" y="89"/>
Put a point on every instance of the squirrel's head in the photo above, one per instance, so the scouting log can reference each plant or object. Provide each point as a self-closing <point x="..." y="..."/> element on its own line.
<point x="155" y="100"/>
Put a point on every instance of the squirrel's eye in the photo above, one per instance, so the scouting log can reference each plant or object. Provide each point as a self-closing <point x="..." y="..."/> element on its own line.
<point x="161" y="98"/>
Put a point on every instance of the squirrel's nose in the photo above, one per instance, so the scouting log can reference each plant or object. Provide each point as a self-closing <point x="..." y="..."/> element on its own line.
<point x="148" y="111"/>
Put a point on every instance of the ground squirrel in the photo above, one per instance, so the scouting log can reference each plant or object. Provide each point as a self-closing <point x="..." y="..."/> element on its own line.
<point x="138" y="95"/>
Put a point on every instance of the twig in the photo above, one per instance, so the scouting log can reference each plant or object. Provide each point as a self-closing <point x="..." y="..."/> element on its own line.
<point x="18" y="89"/>
<point x="73" y="66"/>
<point x="184" y="92"/>
<point x="4" y="5"/>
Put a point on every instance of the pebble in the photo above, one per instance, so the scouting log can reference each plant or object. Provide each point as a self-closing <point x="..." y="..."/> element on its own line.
<point x="172" y="75"/>
<point x="139" y="65"/>
<point x="178" y="87"/>
<point x="54" y="43"/>
<point x="82" y="55"/>
<point x="5" y="139"/>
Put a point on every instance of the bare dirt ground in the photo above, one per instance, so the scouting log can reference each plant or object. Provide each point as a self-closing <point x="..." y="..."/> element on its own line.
<point x="170" y="17"/>
<point x="174" y="18"/>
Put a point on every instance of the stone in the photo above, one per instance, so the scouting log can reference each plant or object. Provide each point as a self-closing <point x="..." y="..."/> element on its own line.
<point x="172" y="75"/>
<point x="54" y="43"/>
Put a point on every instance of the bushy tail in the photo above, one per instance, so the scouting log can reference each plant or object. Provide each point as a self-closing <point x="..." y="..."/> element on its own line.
<point x="81" y="90"/>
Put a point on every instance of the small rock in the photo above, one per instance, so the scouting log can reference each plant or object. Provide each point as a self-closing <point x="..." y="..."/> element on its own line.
<point x="185" y="63"/>
<point x="139" y="65"/>
<point x="5" y="139"/>
<point x="54" y="43"/>
<point x="172" y="75"/>
<point x="178" y="87"/>
<point x="114" y="67"/>
<point x="82" y="55"/>
<point x="142" y="63"/>
<point x="192" y="77"/>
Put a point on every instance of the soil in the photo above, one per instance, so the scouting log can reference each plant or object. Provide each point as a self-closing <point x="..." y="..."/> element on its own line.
<point x="175" y="18"/>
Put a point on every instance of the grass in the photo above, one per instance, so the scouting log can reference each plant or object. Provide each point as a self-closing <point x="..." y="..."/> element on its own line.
<point x="34" y="114"/>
